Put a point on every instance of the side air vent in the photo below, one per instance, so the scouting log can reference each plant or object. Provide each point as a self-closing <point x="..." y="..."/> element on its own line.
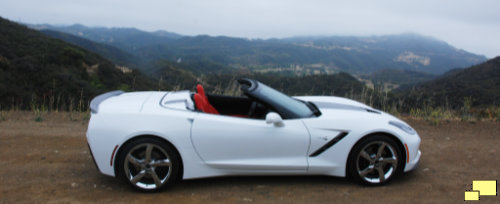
<point x="329" y="144"/>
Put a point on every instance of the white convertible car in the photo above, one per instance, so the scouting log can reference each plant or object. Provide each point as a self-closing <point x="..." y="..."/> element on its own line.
<point x="153" y="139"/>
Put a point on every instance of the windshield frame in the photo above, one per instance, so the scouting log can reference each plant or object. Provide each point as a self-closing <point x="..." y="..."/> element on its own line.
<point x="286" y="106"/>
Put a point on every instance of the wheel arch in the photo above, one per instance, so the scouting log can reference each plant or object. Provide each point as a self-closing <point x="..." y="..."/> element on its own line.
<point x="389" y="135"/>
<point x="120" y="149"/>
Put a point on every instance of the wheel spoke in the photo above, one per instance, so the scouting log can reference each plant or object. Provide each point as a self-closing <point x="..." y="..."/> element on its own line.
<point x="165" y="162"/>
<point x="391" y="161"/>
<point x="365" y="155"/>
<point x="365" y="171"/>
<point x="381" y="174"/>
<point x="138" y="177"/>
<point x="149" y="150"/>
<point x="133" y="160"/>
<point x="156" y="179"/>
<point x="380" y="150"/>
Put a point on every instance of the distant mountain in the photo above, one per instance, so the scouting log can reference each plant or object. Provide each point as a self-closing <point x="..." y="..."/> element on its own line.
<point x="299" y="55"/>
<point x="406" y="51"/>
<point x="114" y="54"/>
<point x="326" y="55"/>
<point x="167" y="34"/>
<point x="37" y="70"/>
<point x="475" y="86"/>
<point x="128" y="39"/>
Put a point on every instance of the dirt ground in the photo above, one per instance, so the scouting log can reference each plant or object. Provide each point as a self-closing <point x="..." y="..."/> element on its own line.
<point x="49" y="162"/>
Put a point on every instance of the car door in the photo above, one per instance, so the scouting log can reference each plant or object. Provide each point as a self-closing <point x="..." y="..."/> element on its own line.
<point x="226" y="142"/>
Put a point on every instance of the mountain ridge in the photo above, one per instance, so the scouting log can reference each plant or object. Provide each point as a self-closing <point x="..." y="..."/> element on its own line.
<point x="112" y="53"/>
<point x="351" y="54"/>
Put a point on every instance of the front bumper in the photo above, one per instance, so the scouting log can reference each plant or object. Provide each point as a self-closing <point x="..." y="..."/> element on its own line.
<point x="412" y="165"/>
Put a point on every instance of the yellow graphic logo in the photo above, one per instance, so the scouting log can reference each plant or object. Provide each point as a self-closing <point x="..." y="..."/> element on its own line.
<point x="481" y="188"/>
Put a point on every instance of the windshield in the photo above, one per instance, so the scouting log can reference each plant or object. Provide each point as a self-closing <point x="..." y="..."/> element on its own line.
<point x="285" y="105"/>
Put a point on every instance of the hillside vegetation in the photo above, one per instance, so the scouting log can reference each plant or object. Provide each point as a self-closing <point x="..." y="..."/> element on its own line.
<point x="476" y="86"/>
<point x="340" y="84"/>
<point x="400" y="77"/>
<point x="36" y="70"/>
<point x="40" y="72"/>
<point x="111" y="53"/>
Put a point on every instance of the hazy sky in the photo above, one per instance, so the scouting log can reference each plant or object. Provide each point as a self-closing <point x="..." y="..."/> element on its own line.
<point x="472" y="25"/>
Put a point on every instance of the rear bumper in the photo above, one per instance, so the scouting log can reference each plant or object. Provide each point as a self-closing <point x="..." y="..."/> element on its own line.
<point x="93" y="159"/>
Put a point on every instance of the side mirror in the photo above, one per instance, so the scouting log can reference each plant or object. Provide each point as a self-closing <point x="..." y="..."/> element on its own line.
<point x="275" y="119"/>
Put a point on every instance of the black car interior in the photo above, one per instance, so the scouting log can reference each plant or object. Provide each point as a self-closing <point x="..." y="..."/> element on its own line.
<point x="238" y="106"/>
<point x="241" y="106"/>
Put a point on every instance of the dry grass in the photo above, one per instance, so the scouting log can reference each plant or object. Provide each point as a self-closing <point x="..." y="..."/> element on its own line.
<point x="44" y="116"/>
<point x="375" y="98"/>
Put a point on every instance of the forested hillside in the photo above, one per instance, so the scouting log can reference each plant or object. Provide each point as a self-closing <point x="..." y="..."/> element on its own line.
<point x="42" y="71"/>
<point x="340" y="84"/>
<point x="111" y="53"/>
<point x="475" y="86"/>
<point x="37" y="70"/>
<point x="400" y="77"/>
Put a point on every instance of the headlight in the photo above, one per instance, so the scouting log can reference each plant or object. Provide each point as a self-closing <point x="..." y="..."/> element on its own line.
<point x="403" y="127"/>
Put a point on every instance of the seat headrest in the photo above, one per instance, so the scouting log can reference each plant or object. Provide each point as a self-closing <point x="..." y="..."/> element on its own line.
<point x="200" y="90"/>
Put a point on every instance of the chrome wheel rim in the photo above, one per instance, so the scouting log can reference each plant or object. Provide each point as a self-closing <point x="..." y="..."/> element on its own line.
<point x="377" y="161"/>
<point x="147" y="166"/>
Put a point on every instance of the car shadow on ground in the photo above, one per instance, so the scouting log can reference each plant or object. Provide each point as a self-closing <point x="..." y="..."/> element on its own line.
<point x="231" y="182"/>
<point x="261" y="180"/>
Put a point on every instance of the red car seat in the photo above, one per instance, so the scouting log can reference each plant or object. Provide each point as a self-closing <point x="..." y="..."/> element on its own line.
<point x="201" y="101"/>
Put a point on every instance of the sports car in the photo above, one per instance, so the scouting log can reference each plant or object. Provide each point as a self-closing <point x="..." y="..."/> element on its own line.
<point x="153" y="139"/>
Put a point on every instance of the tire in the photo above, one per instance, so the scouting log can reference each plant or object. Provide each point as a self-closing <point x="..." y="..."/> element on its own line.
<point x="375" y="161"/>
<point x="149" y="164"/>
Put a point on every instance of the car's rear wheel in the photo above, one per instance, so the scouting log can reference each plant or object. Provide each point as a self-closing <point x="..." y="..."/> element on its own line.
<point x="149" y="164"/>
<point x="375" y="160"/>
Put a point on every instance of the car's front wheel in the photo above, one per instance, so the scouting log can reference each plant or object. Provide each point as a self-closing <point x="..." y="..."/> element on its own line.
<point x="375" y="160"/>
<point x="149" y="164"/>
